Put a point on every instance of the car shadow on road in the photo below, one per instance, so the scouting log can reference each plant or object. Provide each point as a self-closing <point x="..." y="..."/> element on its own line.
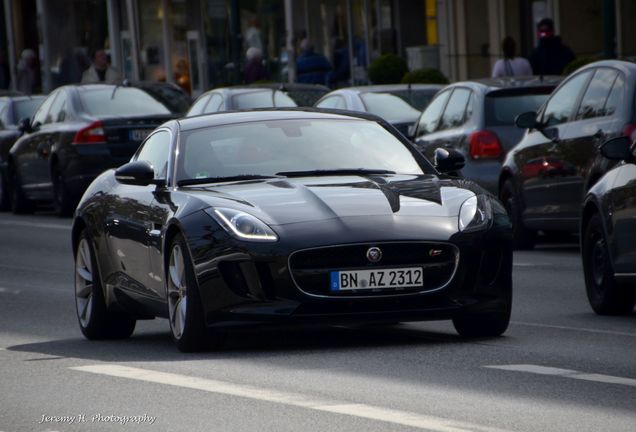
<point x="158" y="346"/>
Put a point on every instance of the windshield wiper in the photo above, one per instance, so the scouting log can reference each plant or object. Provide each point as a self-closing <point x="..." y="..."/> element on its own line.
<point x="327" y="172"/>
<point x="204" y="180"/>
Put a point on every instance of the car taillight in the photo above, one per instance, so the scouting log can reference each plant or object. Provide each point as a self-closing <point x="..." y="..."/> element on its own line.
<point x="629" y="130"/>
<point x="91" y="134"/>
<point x="484" y="144"/>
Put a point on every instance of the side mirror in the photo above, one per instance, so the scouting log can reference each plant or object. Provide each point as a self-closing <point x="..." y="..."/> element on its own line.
<point x="24" y="125"/>
<point x="527" y="120"/>
<point x="448" y="160"/>
<point x="138" y="173"/>
<point x="618" y="148"/>
<point x="411" y="131"/>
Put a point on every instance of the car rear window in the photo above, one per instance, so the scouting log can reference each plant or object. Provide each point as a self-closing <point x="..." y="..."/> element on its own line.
<point x="502" y="108"/>
<point x="25" y="108"/>
<point x="390" y="107"/>
<point x="262" y="99"/>
<point x="121" y="102"/>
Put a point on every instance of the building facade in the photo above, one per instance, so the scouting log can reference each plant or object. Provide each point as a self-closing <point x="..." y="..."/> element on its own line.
<point x="201" y="44"/>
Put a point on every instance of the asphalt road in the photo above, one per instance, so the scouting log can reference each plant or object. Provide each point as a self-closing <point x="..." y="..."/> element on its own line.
<point x="558" y="368"/>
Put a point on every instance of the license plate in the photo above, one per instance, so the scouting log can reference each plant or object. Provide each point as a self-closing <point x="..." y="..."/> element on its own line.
<point x="407" y="277"/>
<point x="139" y="134"/>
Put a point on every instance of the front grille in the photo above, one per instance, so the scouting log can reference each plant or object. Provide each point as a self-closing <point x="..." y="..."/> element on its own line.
<point x="311" y="268"/>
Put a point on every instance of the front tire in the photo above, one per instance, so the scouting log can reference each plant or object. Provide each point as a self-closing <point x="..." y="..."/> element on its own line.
<point x="605" y="295"/>
<point x="20" y="204"/>
<point x="95" y="320"/>
<point x="522" y="238"/>
<point x="486" y="324"/>
<point x="185" y="311"/>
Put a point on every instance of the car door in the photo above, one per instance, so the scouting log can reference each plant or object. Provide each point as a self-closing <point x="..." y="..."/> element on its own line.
<point x="623" y="206"/>
<point x="578" y="150"/>
<point x="132" y="224"/>
<point x="25" y="152"/>
<point x="539" y="186"/>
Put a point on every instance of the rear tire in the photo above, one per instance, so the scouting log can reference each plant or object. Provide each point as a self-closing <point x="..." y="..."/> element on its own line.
<point x="185" y="310"/>
<point x="20" y="204"/>
<point x="95" y="320"/>
<point x="522" y="238"/>
<point x="605" y="295"/>
<point x="62" y="200"/>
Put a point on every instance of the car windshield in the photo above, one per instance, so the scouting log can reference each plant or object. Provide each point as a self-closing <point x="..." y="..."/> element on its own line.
<point x="276" y="147"/>
<point x="262" y="99"/>
<point x="25" y="108"/>
<point x="390" y="107"/>
<point x="121" y="102"/>
<point x="502" y="110"/>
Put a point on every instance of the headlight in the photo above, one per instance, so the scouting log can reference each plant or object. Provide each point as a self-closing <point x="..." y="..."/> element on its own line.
<point x="475" y="213"/>
<point x="242" y="225"/>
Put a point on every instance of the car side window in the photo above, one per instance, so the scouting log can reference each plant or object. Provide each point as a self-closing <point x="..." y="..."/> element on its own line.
<point x="199" y="104"/>
<point x="593" y="103"/>
<point x="156" y="150"/>
<point x="431" y="115"/>
<point x="214" y="105"/>
<point x="57" y="113"/>
<point x="563" y="102"/>
<point x="335" y="102"/>
<point x="615" y="98"/>
<point x="455" y="112"/>
<point x="40" y="115"/>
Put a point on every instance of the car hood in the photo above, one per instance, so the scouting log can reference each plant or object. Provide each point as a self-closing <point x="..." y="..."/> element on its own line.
<point x="308" y="199"/>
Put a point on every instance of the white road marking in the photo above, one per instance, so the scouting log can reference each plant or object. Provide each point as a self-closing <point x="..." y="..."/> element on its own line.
<point x="9" y="291"/>
<point x="370" y="412"/>
<point x="36" y="225"/>
<point x="580" y="329"/>
<point x="566" y="373"/>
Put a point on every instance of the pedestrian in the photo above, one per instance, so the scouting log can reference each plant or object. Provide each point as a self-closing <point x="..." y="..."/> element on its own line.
<point x="28" y="77"/>
<point x="510" y="65"/>
<point x="550" y="56"/>
<point x="254" y="69"/>
<point x="311" y="67"/>
<point x="100" y="70"/>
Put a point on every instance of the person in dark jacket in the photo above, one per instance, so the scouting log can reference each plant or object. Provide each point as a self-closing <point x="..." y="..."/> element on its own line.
<point x="254" y="69"/>
<point x="550" y="56"/>
<point x="311" y="67"/>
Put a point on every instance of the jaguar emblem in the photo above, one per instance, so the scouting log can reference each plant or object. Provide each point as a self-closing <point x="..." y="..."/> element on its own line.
<point x="374" y="254"/>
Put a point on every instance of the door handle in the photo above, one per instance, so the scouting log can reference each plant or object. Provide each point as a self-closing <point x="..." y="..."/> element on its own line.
<point x="44" y="148"/>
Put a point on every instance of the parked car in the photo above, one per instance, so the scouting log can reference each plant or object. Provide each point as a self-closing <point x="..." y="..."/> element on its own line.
<point x="477" y="119"/>
<point x="287" y="216"/>
<point x="12" y="110"/>
<point x="237" y="98"/>
<point x="398" y="104"/>
<point x="591" y="106"/>
<point x="78" y="132"/>
<point x="305" y="95"/>
<point x="608" y="233"/>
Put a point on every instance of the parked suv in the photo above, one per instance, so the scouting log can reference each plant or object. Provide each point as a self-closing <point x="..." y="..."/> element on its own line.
<point x="477" y="118"/>
<point x="592" y="105"/>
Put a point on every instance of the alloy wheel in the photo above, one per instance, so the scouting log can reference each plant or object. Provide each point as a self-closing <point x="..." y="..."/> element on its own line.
<point x="177" y="292"/>
<point x="84" y="283"/>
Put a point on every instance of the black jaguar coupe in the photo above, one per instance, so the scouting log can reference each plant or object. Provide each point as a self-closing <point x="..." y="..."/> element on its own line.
<point x="287" y="217"/>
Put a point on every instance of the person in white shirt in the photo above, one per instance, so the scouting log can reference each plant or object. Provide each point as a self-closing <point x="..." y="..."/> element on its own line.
<point x="100" y="70"/>
<point x="511" y="65"/>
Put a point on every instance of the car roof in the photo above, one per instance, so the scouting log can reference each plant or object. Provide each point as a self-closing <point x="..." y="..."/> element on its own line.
<point x="391" y="87"/>
<point x="291" y="86"/>
<point x="265" y="114"/>
<point x="490" y="84"/>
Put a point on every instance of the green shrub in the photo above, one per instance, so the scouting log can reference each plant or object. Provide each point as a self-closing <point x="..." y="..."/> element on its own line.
<point x="387" y="69"/>
<point x="424" y="76"/>
<point x="578" y="63"/>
